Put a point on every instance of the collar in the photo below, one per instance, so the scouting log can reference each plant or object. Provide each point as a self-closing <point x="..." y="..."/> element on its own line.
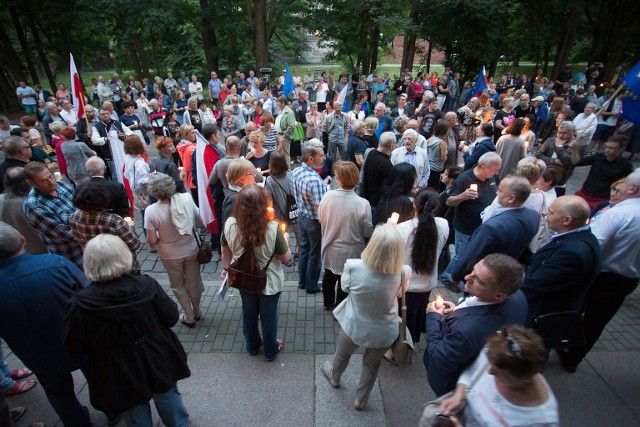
<point x="555" y="236"/>
<point x="471" y="301"/>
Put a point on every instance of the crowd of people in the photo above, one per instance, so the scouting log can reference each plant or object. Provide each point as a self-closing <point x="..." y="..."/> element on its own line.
<point x="375" y="196"/>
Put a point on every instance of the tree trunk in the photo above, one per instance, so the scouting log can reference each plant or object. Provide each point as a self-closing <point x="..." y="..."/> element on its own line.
<point x="409" y="42"/>
<point x="8" y="99"/>
<point x="22" y="38"/>
<point x="493" y="66"/>
<point x="209" y="39"/>
<point x="565" y="42"/>
<point x="545" y="67"/>
<point x="43" y="57"/>
<point x="429" y="51"/>
<point x="374" y="42"/>
<point x="362" y="43"/>
<point x="134" y="59"/>
<point x="262" y="23"/>
<point x="142" y="55"/>
<point x="12" y="59"/>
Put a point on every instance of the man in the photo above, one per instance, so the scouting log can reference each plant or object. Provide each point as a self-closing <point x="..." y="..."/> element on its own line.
<point x="542" y="111"/>
<point x="415" y="125"/>
<point x="377" y="166"/>
<point x="453" y="138"/>
<point x="561" y="150"/>
<point x="484" y="144"/>
<point x="331" y="82"/>
<point x="18" y="152"/>
<point x="472" y="191"/>
<point x="579" y="102"/>
<point x="195" y="88"/>
<point x="456" y="335"/>
<point x="43" y="94"/>
<point x="321" y="89"/>
<point x="116" y="89"/>
<point x="183" y="82"/>
<point x="605" y="169"/>
<point x="244" y="142"/>
<point x="454" y="92"/>
<point x="69" y="116"/>
<point x="559" y="274"/>
<point x="233" y="147"/>
<point x="617" y="231"/>
<point x="27" y="97"/>
<point x="591" y="93"/>
<point x="214" y="86"/>
<point x="48" y="208"/>
<point x="509" y="231"/>
<point x="336" y="124"/>
<point x="104" y="91"/>
<point x="82" y="132"/>
<point x="357" y="146"/>
<point x="52" y="116"/>
<point x="118" y="200"/>
<point x="156" y="117"/>
<point x="287" y="127"/>
<point x="104" y="133"/>
<point x="610" y="109"/>
<point x="242" y="83"/>
<point x="344" y="82"/>
<point x="414" y="155"/>
<point x="300" y="107"/>
<point x="384" y="123"/>
<point x="34" y="293"/>
<point x="403" y="108"/>
<point x="430" y="117"/>
<point x="308" y="188"/>
<point x="307" y="81"/>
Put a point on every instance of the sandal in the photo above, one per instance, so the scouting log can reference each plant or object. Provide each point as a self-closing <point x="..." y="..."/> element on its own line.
<point x="21" y="387"/>
<point x="183" y="319"/>
<point x="18" y="374"/>
<point x="17" y="413"/>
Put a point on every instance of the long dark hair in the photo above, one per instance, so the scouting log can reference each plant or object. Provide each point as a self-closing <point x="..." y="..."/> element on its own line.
<point x="425" y="236"/>
<point x="399" y="181"/>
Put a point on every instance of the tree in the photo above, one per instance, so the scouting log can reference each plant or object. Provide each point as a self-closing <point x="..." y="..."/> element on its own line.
<point x="262" y="24"/>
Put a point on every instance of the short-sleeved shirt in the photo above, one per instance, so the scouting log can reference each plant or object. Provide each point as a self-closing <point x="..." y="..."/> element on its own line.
<point x="467" y="214"/>
<point x="307" y="188"/>
<point x="171" y="244"/>
<point x="27" y="100"/>
<point x="356" y="146"/>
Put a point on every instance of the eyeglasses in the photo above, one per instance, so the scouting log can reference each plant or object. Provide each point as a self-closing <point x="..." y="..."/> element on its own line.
<point x="514" y="347"/>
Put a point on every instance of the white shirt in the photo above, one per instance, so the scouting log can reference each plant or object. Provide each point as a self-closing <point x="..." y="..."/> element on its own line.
<point x="70" y="117"/>
<point x="321" y="92"/>
<point x="618" y="231"/>
<point x="585" y="126"/>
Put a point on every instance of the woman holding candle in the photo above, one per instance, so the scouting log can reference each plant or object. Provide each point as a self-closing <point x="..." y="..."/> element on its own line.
<point x="250" y="228"/>
<point x="259" y="156"/>
<point x="396" y="193"/>
<point x="345" y="219"/>
<point x="278" y="185"/>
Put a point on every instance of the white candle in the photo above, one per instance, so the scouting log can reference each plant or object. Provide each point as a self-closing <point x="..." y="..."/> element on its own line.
<point x="473" y="187"/>
<point x="58" y="176"/>
<point x="259" y="170"/>
<point x="128" y="220"/>
<point x="393" y="219"/>
<point x="439" y="301"/>
<point x="180" y="169"/>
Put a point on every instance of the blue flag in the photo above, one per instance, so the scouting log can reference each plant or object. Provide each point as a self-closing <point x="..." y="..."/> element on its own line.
<point x="288" y="82"/>
<point x="631" y="102"/>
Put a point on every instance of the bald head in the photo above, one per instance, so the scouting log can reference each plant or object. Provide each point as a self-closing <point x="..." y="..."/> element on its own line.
<point x="574" y="211"/>
<point x="233" y="146"/>
<point x="250" y="127"/>
<point x="11" y="242"/>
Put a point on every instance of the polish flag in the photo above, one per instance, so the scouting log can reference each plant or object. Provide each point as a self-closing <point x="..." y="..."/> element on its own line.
<point x="206" y="158"/>
<point x="77" y="91"/>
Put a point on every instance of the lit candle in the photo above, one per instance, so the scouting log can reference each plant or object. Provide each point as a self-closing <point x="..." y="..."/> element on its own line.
<point x="283" y="227"/>
<point x="393" y="219"/>
<point x="270" y="213"/>
<point x="439" y="301"/>
<point x="473" y="187"/>
<point x="180" y="169"/>
<point x="128" y="220"/>
<point x="259" y="170"/>
<point x="58" y="176"/>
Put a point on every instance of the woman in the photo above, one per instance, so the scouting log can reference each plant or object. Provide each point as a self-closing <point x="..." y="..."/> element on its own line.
<point x="504" y="386"/>
<point x="41" y="111"/>
<point x="313" y="122"/>
<point x="614" y="199"/>
<point x="121" y="325"/>
<point x="217" y="113"/>
<point x="166" y="162"/>
<point x="206" y="113"/>
<point x="132" y="90"/>
<point x="368" y="317"/>
<point x="186" y="147"/>
<point x="443" y="91"/>
<point x="93" y="218"/>
<point x="267" y="101"/>
<point x="62" y="94"/>
<point x="447" y="178"/>
<point x="396" y="194"/>
<point x="527" y="134"/>
<point x="231" y="126"/>
<point x="272" y="139"/>
<point x="356" y="113"/>
<point x="29" y="123"/>
<point x="550" y="178"/>
<point x="249" y="228"/>
<point x="192" y="116"/>
<point x="95" y="99"/>
<point x="180" y="106"/>
<point x="511" y="147"/>
<point x="362" y="86"/>
<point x="345" y="219"/>
<point x="171" y="124"/>
<point x="399" y="126"/>
<point x="224" y="93"/>
<point x="170" y="223"/>
<point x="424" y="237"/>
<point x="549" y="126"/>
<point x="259" y="156"/>
<point x="136" y="168"/>
<point x="370" y="127"/>
<point x="414" y="92"/>
<point x="277" y="88"/>
<point x="437" y="151"/>
<point x="297" y="81"/>
<point x="76" y="154"/>
<point x="240" y="173"/>
<point x="278" y="185"/>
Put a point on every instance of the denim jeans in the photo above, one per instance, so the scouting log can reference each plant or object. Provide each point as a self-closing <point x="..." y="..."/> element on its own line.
<point x="169" y="404"/>
<point x="462" y="240"/>
<point x="310" y="261"/>
<point x="265" y="306"/>
<point x="62" y="396"/>
<point x="6" y="382"/>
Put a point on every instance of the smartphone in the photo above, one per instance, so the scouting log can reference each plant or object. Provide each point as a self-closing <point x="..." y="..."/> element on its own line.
<point x="442" y="421"/>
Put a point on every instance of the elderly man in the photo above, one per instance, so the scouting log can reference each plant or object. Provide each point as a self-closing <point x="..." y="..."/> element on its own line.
<point x="18" y="152"/>
<point x="336" y="124"/>
<point x="472" y="191"/>
<point x="617" y="231"/>
<point x="385" y="123"/>
<point x="375" y="169"/>
<point x="118" y="199"/>
<point x="508" y="232"/>
<point x="82" y="132"/>
<point x="105" y="129"/>
<point x="308" y="188"/>
<point x="157" y="115"/>
<point x="414" y="155"/>
<point x="415" y="125"/>
<point x="457" y="334"/>
<point x="104" y="91"/>
<point x="287" y="127"/>
<point x="53" y="115"/>
<point x="561" y="150"/>
<point x="48" y="208"/>
<point x="357" y="146"/>
<point x="559" y="274"/>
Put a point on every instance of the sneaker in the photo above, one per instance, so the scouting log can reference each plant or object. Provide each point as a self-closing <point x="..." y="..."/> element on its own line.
<point x="327" y="370"/>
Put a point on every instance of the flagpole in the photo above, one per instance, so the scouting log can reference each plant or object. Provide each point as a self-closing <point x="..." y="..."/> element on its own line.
<point x="613" y="97"/>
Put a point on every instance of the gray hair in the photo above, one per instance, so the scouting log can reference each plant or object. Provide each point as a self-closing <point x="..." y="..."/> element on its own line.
<point x="634" y="178"/>
<point x="13" y="144"/>
<point x="568" y="124"/>
<point x="400" y="122"/>
<point x="106" y="257"/>
<point x="489" y="159"/>
<point x="161" y="186"/>
<point x="95" y="166"/>
<point x="371" y="123"/>
<point x="387" y="139"/>
<point x="10" y="241"/>
<point x="3" y="118"/>
<point x="311" y="147"/>
<point x="356" y="125"/>
<point x="409" y="132"/>
<point x="49" y="105"/>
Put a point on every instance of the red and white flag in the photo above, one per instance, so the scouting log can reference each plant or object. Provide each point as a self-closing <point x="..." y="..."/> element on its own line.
<point x="77" y="91"/>
<point x="206" y="158"/>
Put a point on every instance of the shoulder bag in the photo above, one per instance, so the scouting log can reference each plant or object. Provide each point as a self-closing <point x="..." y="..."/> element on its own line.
<point x="403" y="347"/>
<point x="291" y="206"/>
<point x="140" y="197"/>
<point x="205" y="253"/>
<point x="245" y="274"/>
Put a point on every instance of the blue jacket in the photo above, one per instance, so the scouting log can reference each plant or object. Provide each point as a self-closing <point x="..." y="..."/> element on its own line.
<point x="455" y="340"/>
<point x="508" y="232"/>
<point x="559" y="274"/>
<point x="484" y="146"/>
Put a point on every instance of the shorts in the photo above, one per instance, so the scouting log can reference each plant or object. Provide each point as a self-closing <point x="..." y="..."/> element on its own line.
<point x="603" y="132"/>
<point x="30" y="109"/>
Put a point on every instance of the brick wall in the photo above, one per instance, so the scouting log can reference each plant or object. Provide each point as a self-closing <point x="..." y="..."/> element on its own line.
<point x="422" y="45"/>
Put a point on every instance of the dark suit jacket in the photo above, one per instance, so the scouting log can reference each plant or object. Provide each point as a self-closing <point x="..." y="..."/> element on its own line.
<point x="559" y="274"/>
<point x="118" y="199"/>
<point x="455" y="340"/>
<point x="508" y="232"/>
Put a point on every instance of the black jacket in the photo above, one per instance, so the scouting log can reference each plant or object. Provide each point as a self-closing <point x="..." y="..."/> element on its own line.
<point x="118" y="199"/>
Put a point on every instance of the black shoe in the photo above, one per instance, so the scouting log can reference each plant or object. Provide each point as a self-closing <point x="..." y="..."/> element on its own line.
<point x="314" y="291"/>
<point x="568" y="365"/>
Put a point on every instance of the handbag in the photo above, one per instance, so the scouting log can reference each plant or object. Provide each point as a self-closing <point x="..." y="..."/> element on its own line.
<point x="205" y="253"/>
<point x="245" y="273"/>
<point x="403" y="347"/>
<point x="140" y="197"/>
<point x="291" y="206"/>
<point x="562" y="329"/>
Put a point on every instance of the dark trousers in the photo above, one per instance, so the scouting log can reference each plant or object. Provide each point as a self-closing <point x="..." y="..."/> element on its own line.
<point x="602" y="303"/>
<point x="434" y="180"/>
<point x="329" y="281"/>
<point x="62" y="396"/>
<point x="5" y="413"/>
<point x="416" y="313"/>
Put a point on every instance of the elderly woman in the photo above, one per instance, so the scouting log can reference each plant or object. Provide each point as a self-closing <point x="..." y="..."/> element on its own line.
<point x="313" y="121"/>
<point x="505" y="386"/>
<point x="259" y="156"/>
<point x="240" y="173"/>
<point x="250" y="228"/>
<point x="371" y="124"/>
<point x="165" y="163"/>
<point x="345" y="219"/>
<point x="368" y="317"/>
<point x="76" y="154"/>
<point x="271" y="137"/>
<point x="121" y="324"/>
<point x="230" y="123"/>
<point x="170" y="223"/>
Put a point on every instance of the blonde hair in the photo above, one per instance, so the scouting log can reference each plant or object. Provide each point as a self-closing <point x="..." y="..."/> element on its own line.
<point x="371" y="123"/>
<point x="385" y="251"/>
<point x="256" y="136"/>
<point x="238" y="168"/>
<point x="56" y="127"/>
<point x="184" y="130"/>
<point x="106" y="257"/>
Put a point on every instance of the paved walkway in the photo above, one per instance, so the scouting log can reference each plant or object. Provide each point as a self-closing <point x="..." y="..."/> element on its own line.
<point x="229" y="387"/>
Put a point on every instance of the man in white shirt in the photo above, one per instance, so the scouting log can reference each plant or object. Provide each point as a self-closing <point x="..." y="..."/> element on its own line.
<point x="414" y="155"/>
<point x="27" y="97"/>
<point x="617" y="231"/>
